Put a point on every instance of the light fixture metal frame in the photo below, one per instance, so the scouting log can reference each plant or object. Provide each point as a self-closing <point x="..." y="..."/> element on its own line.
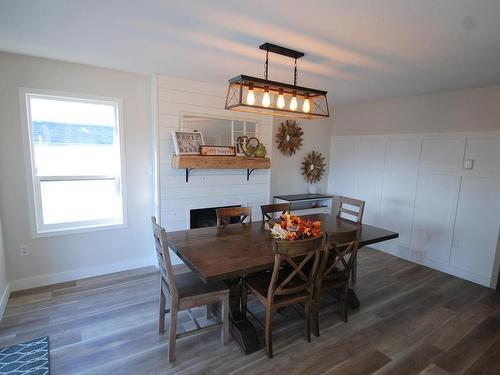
<point x="318" y="98"/>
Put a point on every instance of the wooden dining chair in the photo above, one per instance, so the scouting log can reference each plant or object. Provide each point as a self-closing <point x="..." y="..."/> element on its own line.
<point x="186" y="291"/>
<point x="353" y="212"/>
<point x="269" y="209"/>
<point x="350" y="209"/>
<point x="285" y="286"/>
<point x="334" y="273"/>
<point x="224" y="215"/>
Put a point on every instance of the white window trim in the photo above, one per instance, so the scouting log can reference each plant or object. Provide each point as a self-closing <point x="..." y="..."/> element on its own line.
<point x="34" y="216"/>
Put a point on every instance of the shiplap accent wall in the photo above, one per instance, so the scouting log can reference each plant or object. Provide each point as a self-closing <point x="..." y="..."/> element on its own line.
<point x="448" y="217"/>
<point x="206" y="188"/>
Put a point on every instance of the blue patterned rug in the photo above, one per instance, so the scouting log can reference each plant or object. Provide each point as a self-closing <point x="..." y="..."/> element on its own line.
<point x="30" y="357"/>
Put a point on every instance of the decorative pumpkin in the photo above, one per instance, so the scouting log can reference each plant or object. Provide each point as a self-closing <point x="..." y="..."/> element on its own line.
<point x="260" y="151"/>
<point x="313" y="167"/>
<point x="289" y="137"/>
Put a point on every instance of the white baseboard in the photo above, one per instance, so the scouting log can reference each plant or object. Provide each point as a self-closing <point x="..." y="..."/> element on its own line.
<point x="80" y="273"/>
<point x="4" y="299"/>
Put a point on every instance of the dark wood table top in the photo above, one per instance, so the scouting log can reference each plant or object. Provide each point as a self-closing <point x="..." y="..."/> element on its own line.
<point x="237" y="250"/>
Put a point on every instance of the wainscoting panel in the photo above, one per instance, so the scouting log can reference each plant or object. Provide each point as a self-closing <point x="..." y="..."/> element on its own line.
<point x="435" y="207"/>
<point x="477" y="223"/>
<point x="448" y="216"/>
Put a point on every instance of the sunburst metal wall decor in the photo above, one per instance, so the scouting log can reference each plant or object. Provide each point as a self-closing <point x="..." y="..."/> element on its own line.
<point x="313" y="167"/>
<point x="289" y="137"/>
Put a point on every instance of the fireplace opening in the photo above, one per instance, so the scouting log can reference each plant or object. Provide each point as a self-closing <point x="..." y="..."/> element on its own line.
<point x="207" y="217"/>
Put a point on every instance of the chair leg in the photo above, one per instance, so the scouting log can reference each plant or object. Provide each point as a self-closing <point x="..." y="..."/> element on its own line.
<point x="172" y="331"/>
<point x="244" y="299"/>
<point x="315" y="314"/>
<point x="354" y="270"/>
<point x="225" y="320"/>
<point x="161" y="312"/>
<point x="268" y="331"/>
<point x="344" y="306"/>
<point x="307" y="325"/>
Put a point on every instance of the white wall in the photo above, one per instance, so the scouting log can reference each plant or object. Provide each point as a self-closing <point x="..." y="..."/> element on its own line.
<point x="287" y="176"/>
<point x="206" y="188"/>
<point x="4" y="284"/>
<point x="65" y="257"/>
<point x="448" y="217"/>
<point x="455" y="111"/>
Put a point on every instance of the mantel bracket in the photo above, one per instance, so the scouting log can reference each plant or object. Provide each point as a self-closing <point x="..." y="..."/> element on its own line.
<point x="188" y="171"/>
<point x="249" y="172"/>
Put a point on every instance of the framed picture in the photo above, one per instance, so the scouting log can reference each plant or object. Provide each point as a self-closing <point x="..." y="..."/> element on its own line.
<point x="217" y="150"/>
<point x="187" y="142"/>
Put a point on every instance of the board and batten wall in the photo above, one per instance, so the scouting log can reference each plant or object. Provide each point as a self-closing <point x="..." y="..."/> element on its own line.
<point x="448" y="217"/>
<point x="206" y="188"/>
<point x="66" y="257"/>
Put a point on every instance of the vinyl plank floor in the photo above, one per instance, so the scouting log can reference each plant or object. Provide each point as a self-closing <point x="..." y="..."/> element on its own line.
<point x="412" y="320"/>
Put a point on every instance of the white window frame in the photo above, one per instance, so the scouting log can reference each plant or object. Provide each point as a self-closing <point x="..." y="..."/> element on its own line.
<point x="38" y="229"/>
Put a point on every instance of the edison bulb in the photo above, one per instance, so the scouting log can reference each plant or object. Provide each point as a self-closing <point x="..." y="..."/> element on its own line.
<point x="250" y="97"/>
<point x="293" y="103"/>
<point x="280" y="103"/>
<point x="266" y="99"/>
<point x="306" y="107"/>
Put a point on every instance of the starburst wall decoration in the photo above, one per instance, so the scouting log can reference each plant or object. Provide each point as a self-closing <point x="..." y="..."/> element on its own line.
<point x="289" y="137"/>
<point x="313" y="167"/>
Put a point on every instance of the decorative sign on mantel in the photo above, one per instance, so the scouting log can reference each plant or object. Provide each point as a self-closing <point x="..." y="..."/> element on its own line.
<point x="187" y="142"/>
<point x="217" y="150"/>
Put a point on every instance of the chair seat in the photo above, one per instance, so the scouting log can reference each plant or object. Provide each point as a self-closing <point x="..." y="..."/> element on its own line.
<point x="259" y="283"/>
<point x="189" y="285"/>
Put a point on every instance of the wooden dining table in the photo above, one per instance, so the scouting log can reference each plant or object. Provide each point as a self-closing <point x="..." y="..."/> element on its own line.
<point x="233" y="251"/>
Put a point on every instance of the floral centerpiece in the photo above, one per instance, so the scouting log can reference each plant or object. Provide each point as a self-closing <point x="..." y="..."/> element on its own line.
<point x="292" y="227"/>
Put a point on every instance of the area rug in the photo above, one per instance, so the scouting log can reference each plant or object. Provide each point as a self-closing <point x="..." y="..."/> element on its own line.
<point x="30" y="357"/>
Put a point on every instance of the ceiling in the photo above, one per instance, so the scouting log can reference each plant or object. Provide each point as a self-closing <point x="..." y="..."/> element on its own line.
<point x="357" y="50"/>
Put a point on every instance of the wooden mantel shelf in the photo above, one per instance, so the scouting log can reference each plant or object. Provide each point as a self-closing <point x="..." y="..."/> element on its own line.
<point x="190" y="162"/>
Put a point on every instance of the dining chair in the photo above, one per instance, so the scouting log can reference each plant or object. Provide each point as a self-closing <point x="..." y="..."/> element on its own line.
<point x="353" y="212"/>
<point x="285" y="286"/>
<point x="334" y="273"/>
<point x="186" y="291"/>
<point x="224" y="215"/>
<point x="269" y="209"/>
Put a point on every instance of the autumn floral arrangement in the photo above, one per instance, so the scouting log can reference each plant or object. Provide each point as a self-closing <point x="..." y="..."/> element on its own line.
<point x="291" y="227"/>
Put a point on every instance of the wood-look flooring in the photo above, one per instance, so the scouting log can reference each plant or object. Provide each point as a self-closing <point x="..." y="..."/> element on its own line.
<point x="412" y="320"/>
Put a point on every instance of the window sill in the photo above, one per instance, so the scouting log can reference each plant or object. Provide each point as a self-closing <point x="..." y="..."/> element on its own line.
<point x="79" y="230"/>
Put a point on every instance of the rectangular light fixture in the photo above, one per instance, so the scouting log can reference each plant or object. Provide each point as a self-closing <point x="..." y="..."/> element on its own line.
<point x="260" y="95"/>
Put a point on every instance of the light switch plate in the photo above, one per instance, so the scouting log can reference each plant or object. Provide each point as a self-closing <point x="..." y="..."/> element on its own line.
<point x="468" y="164"/>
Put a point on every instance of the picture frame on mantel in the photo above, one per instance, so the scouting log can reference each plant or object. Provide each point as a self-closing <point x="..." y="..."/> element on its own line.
<point x="187" y="142"/>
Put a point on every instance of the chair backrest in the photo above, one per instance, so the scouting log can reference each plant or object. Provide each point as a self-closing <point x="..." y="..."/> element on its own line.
<point x="269" y="209"/>
<point x="164" y="262"/>
<point x="350" y="209"/>
<point x="339" y="254"/>
<point x="224" y="215"/>
<point x="303" y="257"/>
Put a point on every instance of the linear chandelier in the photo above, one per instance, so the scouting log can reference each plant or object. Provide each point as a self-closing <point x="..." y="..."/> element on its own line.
<point x="252" y="94"/>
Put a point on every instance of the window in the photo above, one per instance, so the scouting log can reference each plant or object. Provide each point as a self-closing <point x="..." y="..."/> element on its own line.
<point x="76" y="164"/>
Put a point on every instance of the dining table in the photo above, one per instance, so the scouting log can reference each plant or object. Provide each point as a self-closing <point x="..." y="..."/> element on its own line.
<point x="233" y="251"/>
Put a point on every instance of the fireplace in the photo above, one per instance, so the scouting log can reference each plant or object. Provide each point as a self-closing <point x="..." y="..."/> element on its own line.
<point x="207" y="217"/>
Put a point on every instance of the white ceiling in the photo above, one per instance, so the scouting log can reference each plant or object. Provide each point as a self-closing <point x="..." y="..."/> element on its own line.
<point x="357" y="50"/>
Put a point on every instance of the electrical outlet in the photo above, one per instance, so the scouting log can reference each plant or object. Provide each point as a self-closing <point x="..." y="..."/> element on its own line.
<point x="24" y="250"/>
